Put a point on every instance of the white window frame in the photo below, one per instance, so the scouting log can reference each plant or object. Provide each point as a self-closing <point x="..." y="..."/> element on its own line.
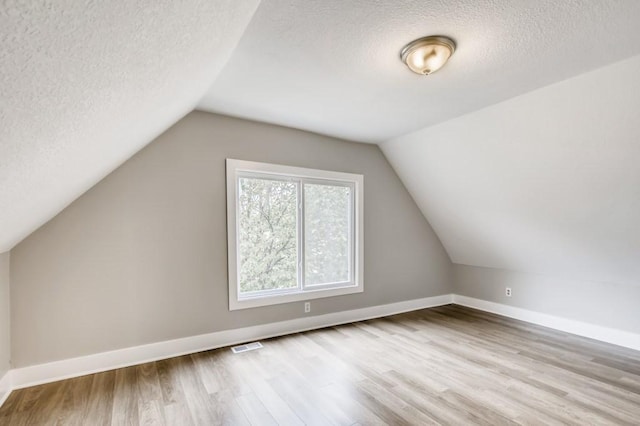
<point x="240" y="168"/>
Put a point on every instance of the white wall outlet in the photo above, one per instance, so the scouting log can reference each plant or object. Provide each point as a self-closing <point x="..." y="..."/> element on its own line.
<point x="507" y="291"/>
<point x="307" y="307"/>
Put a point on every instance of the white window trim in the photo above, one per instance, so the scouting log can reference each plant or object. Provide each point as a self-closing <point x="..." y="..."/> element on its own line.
<point x="236" y="167"/>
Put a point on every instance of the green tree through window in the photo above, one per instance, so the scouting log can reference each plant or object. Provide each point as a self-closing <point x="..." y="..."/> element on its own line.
<point x="294" y="233"/>
<point x="327" y="245"/>
<point x="267" y="235"/>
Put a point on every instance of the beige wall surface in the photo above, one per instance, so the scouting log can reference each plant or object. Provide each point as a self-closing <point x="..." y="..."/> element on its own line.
<point x="5" y="348"/>
<point x="142" y="256"/>
<point x="605" y="304"/>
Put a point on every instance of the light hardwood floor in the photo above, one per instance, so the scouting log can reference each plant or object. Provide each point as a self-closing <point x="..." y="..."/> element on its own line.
<point x="447" y="365"/>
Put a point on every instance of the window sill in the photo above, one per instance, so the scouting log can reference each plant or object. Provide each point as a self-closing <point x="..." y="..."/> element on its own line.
<point x="258" y="301"/>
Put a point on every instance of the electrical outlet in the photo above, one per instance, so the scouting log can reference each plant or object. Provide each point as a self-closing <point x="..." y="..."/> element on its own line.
<point x="307" y="307"/>
<point x="507" y="291"/>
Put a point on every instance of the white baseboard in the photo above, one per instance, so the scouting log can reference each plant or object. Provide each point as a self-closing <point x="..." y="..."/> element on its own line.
<point x="74" y="367"/>
<point x="597" y="332"/>
<point x="5" y="387"/>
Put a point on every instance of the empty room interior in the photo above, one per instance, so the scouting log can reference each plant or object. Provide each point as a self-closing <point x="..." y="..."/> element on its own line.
<point x="336" y="212"/>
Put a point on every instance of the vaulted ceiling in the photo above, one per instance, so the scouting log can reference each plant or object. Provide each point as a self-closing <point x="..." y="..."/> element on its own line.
<point x="547" y="182"/>
<point x="84" y="85"/>
<point x="333" y="66"/>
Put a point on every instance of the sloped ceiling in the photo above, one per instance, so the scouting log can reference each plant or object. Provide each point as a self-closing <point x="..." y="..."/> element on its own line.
<point x="545" y="182"/>
<point x="85" y="84"/>
<point x="333" y="67"/>
<point x="548" y="182"/>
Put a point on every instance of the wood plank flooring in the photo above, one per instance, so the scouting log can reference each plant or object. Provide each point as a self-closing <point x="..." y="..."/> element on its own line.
<point x="446" y="365"/>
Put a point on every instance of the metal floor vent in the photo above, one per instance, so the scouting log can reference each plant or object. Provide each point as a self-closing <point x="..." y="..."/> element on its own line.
<point x="246" y="347"/>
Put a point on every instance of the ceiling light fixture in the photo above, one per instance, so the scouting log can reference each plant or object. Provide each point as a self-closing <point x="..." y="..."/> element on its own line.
<point x="427" y="55"/>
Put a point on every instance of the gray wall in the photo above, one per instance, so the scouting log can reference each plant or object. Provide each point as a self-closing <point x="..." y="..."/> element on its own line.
<point x="609" y="305"/>
<point x="142" y="256"/>
<point x="5" y="348"/>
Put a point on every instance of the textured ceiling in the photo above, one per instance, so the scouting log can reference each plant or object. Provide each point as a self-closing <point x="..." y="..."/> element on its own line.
<point x="332" y="66"/>
<point x="547" y="182"/>
<point x="85" y="84"/>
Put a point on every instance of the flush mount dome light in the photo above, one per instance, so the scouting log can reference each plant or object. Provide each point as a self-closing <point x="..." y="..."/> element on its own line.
<point x="428" y="54"/>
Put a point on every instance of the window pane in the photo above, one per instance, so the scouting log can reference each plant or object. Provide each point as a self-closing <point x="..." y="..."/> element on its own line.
<point x="327" y="215"/>
<point x="268" y="243"/>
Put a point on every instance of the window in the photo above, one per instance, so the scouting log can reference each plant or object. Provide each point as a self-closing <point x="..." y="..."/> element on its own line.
<point x="293" y="233"/>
